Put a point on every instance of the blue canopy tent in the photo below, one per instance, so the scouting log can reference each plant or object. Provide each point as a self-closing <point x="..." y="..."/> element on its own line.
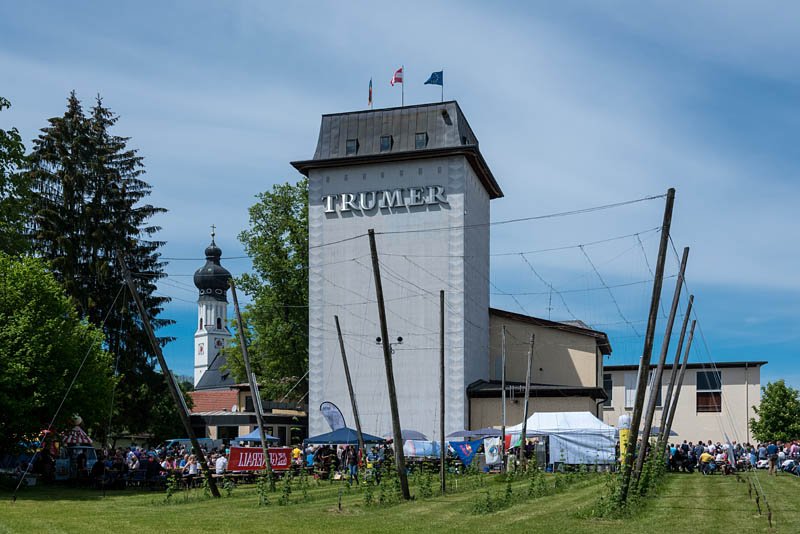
<point x="342" y="436"/>
<point x="255" y="436"/>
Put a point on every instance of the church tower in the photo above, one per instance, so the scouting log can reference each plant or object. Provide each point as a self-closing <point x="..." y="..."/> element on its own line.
<point x="212" y="310"/>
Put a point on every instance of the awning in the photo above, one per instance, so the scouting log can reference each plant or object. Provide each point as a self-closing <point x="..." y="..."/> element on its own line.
<point x="343" y="436"/>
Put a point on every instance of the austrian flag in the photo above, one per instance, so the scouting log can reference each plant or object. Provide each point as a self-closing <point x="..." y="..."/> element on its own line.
<point x="397" y="77"/>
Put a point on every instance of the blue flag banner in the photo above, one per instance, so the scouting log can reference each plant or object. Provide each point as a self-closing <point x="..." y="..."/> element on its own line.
<point x="466" y="450"/>
<point x="436" y="78"/>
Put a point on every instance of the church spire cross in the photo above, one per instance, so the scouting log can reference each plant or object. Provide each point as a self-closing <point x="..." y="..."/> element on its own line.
<point x="213" y="232"/>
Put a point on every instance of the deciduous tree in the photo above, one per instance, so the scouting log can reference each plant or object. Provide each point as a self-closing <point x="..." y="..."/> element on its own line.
<point x="13" y="190"/>
<point x="277" y="318"/>
<point x="43" y="343"/>
<point x="778" y="414"/>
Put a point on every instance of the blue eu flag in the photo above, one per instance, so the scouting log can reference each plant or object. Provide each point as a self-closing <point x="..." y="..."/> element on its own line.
<point x="436" y="78"/>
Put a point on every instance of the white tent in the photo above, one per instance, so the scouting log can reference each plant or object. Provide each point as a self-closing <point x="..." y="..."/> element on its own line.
<point x="575" y="437"/>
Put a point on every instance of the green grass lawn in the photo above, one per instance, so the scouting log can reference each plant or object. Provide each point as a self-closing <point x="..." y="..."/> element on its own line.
<point x="686" y="503"/>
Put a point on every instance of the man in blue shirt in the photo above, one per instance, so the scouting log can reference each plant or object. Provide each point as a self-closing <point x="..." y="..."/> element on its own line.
<point x="772" y="456"/>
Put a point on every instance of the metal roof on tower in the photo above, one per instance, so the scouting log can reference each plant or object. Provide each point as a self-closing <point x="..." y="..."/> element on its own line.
<point x="212" y="279"/>
<point x="361" y="137"/>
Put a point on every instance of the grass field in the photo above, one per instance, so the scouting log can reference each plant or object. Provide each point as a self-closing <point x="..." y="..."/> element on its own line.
<point x="686" y="503"/>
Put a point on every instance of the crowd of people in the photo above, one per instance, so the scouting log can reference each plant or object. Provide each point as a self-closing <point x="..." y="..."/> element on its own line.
<point x="709" y="457"/>
<point x="141" y="465"/>
<point x="325" y="461"/>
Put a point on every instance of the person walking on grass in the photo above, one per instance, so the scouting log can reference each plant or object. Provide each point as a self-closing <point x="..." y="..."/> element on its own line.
<point x="772" y="456"/>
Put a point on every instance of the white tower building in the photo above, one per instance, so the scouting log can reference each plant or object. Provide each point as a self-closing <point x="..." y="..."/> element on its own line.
<point x="415" y="175"/>
<point x="212" y="333"/>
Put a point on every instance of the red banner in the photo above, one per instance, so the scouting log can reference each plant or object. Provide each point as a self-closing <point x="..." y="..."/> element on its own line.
<point x="252" y="458"/>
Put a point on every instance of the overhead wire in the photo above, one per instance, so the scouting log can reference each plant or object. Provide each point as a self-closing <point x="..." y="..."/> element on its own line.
<point x="610" y="293"/>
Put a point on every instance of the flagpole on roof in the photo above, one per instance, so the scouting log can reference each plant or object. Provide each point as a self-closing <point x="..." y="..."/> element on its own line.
<point x="403" y="86"/>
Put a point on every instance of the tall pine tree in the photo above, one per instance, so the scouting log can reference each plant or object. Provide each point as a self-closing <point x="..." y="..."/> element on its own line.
<point x="90" y="202"/>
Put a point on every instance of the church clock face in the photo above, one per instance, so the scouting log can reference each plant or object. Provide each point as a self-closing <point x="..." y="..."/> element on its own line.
<point x="218" y="343"/>
<point x="201" y="349"/>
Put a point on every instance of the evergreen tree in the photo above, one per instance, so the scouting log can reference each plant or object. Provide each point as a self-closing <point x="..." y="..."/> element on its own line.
<point x="90" y="203"/>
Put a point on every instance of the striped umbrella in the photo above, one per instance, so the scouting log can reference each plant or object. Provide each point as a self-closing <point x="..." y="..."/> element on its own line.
<point x="77" y="436"/>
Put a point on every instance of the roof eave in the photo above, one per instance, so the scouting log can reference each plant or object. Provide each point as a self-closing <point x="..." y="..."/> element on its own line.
<point x="471" y="152"/>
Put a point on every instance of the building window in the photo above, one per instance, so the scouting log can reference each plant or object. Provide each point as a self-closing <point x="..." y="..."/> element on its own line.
<point x="351" y="147"/>
<point x="630" y="389"/>
<point x="709" y="391"/>
<point x="607" y="387"/>
<point x="219" y="323"/>
<point x="421" y="140"/>
<point x="386" y="143"/>
<point x="201" y="323"/>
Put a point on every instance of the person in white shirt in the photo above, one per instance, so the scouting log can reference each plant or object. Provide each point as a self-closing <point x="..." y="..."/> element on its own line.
<point x="221" y="465"/>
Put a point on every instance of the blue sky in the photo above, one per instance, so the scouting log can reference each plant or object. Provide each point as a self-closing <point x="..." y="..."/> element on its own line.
<point x="575" y="105"/>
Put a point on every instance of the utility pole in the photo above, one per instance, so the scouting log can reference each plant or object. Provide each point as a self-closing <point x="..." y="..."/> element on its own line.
<point x="656" y="387"/>
<point x="503" y="387"/>
<point x="350" y="388"/>
<point x="400" y="460"/>
<point x="524" y="436"/>
<point x="674" y="407"/>
<point x="171" y="384"/>
<point x="442" y="449"/>
<point x="254" y="393"/>
<point x="644" y="362"/>
<point x="674" y="374"/>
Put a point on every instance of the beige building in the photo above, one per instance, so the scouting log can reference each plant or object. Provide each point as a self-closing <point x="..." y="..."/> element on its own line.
<point x="566" y="374"/>
<point x="715" y="402"/>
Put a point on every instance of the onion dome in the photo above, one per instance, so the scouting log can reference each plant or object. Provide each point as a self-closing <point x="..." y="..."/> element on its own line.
<point x="212" y="278"/>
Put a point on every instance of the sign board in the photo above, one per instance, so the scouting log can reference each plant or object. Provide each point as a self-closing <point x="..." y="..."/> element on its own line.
<point x="252" y="458"/>
<point x="392" y="198"/>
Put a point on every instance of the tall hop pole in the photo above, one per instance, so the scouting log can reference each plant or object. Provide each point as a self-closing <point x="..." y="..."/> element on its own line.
<point x="251" y="379"/>
<point x="183" y="412"/>
<point x="656" y="387"/>
<point x="400" y="460"/>
<point x="644" y="362"/>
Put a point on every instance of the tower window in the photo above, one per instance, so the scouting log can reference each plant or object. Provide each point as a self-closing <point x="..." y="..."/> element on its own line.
<point x="386" y="143"/>
<point x="421" y="140"/>
<point x="219" y="323"/>
<point x="351" y="147"/>
<point x="201" y="323"/>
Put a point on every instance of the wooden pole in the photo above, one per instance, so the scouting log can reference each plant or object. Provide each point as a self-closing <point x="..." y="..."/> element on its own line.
<point x="524" y="436"/>
<point x="262" y="433"/>
<point x="442" y="449"/>
<point x="400" y="460"/>
<point x="350" y="389"/>
<point x="503" y="393"/>
<point x="656" y="387"/>
<point x="674" y="374"/>
<point x="171" y="384"/>
<point x="644" y="362"/>
<point x="674" y="407"/>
